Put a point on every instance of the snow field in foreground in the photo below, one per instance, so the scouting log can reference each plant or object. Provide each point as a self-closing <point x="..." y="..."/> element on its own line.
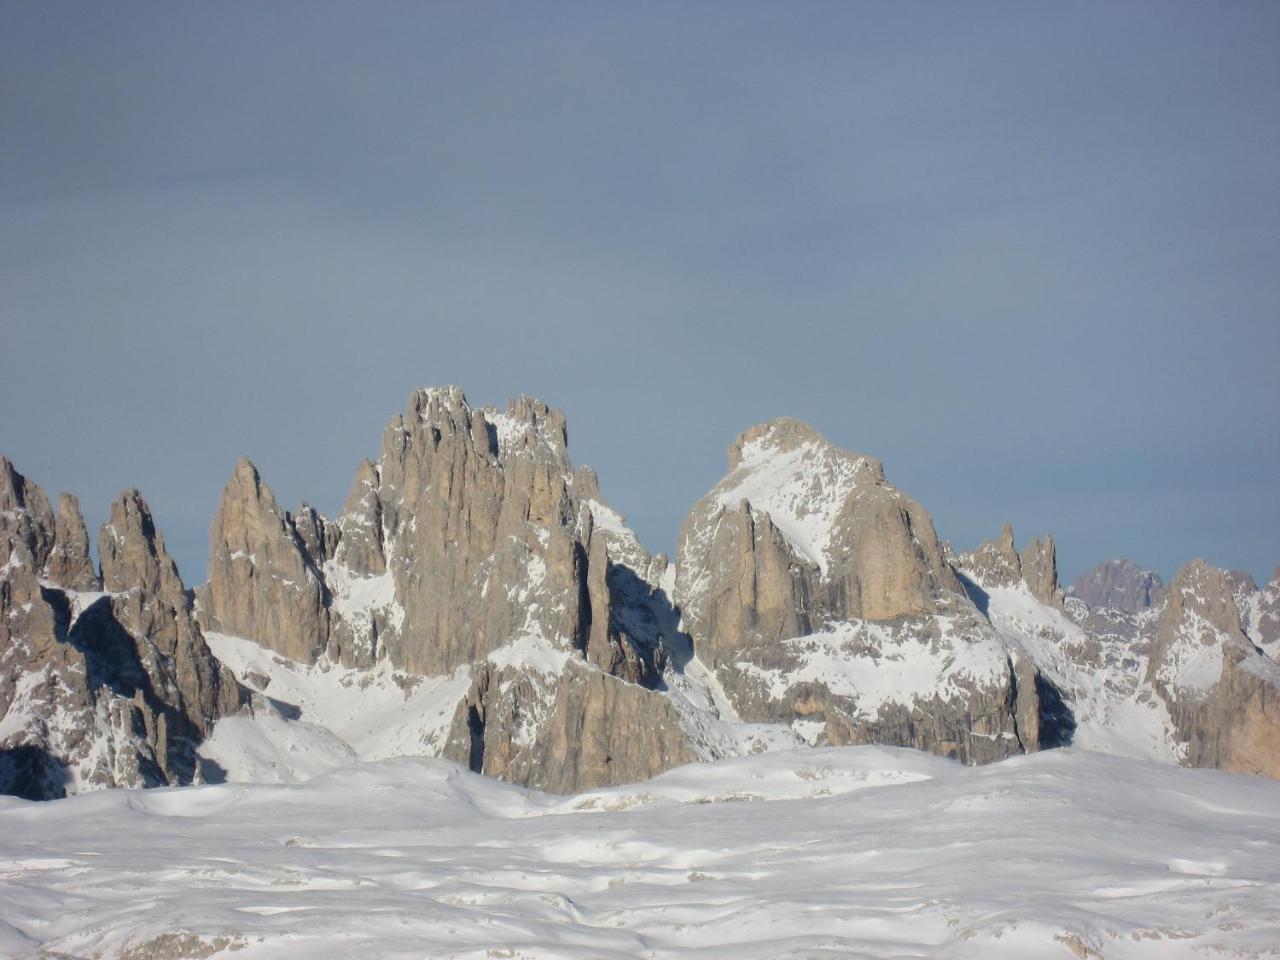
<point x="845" y="852"/>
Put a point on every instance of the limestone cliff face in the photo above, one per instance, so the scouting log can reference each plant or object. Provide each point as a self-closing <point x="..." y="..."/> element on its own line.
<point x="799" y="533"/>
<point x="97" y="688"/>
<point x="1222" y="692"/>
<point x="69" y="565"/>
<point x="263" y="583"/>
<point x="479" y="524"/>
<point x="149" y="600"/>
<point x="470" y="544"/>
<point x="592" y="731"/>
<point x="807" y="582"/>
<point x="25" y="517"/>
<point x="495" y="561"/>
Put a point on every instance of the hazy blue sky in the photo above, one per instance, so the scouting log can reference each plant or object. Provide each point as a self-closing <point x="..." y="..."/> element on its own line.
<point x="1027" y="253"/>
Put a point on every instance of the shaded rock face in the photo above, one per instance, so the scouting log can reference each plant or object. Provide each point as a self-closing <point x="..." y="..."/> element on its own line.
<point x="1222" y="692"/>
<point x="806" y="582"/>
<point x="1119" y="585"/>
<point x="98" y="688"/>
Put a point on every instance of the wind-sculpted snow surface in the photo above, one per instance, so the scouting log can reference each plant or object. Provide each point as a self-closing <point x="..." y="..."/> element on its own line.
<point x="837" y="852"/>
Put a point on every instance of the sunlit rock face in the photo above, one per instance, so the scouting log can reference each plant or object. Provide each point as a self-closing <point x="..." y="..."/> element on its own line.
<point x="263" y="582"/>
<point x="469" y="545"/>
<point x="821" y="597"/>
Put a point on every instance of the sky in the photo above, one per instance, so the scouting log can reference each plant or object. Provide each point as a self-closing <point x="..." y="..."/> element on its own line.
<point x="1027" y="254"/>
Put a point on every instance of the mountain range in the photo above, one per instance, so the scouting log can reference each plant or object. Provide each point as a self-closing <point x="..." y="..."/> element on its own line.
<point x="479" y="600"/>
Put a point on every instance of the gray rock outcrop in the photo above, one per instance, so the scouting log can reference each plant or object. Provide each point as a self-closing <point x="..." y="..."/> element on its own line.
<point x="1221" y="691"/>
<point x="97" y="688"/>
<point x="805" y="581"/>
<point x="263" y="584"/>
<point x="69" y="565"/>
<point x="810" y="602"/>
<point x="593" y="731"/>
<point x="468" y="545"/>
<point x="797" y="534"/>
<point x="998" y="563"/>
<point x="1119" y="585"/>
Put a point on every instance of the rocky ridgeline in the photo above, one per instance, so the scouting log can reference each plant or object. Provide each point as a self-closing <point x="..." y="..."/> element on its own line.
<point x="1119" y="585"/>
<point x="817" y="591"/>
<point x="467" y="546"/>
<point x="810" y="602"/>
<point x="104" y="680"/>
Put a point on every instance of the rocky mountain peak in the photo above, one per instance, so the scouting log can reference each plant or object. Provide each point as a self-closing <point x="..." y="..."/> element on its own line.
<point x="515" y="623"/>
<point x="432" y="404"/>
<point x="802" y="545"/>
<point x="1205" y="592"/>
<point x="132" y="551"/>
<point x="773" y="436"/>
<point x="999" y="563"/>
<point x="98" y="689"/>
<point x="69" y="565"/>
<point x="1222" y="692"/>
<point x="1261" y="617"/>
<point x="762" y="445"/>
<point x="262" y="581"/>
<point x="25" y="516"/>
<point x="1119" y="585"/>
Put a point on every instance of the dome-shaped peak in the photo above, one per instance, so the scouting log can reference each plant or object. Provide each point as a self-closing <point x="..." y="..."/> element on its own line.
<point x="1194" y="572"/>
<point x="774" y="436"/>
<point x="1206" y="589"/>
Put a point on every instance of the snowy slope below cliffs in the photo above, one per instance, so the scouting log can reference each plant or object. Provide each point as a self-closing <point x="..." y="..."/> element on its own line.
<point x="317" y="717"/>
<point x="847" y="852"/>
<point x="874" y="664"/>
<point x="714" y="729"/>
<point x="1100" y="676"/>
